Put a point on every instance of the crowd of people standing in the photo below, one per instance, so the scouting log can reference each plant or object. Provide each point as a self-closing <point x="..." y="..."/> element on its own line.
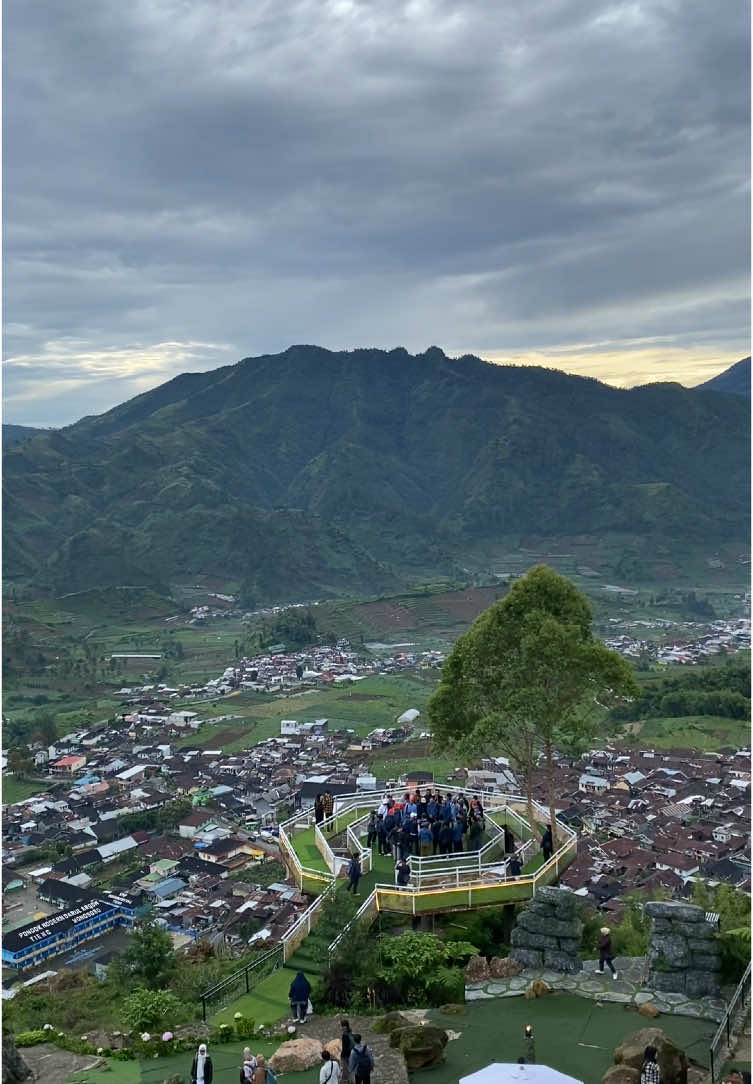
<point x="426" y="823"/>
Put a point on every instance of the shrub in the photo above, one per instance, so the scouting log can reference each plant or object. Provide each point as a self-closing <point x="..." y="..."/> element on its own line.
<point x="244" y="1027"/>
<point x="31" y="1038"/>
<point x="151" y="1009"/>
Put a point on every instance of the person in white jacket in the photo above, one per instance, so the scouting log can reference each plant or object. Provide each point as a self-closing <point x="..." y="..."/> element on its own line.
<point x="330" y="1070"/>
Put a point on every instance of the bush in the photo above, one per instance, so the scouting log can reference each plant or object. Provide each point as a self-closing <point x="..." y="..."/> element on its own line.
<point x="447" y="985"/>
<point x="244" y="1027"/>
<point x="32" y="1038"/>
<point x="144" y="1010"/>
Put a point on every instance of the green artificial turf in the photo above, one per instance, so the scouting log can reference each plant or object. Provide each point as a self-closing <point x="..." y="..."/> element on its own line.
<point x="572" y="1034"/>
<point x="304" y="845"/>
<point x="266" y="1003"/>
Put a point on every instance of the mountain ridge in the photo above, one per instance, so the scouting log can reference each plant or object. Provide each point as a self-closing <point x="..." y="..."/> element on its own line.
<point x="733" y="381"/>
<point x="311" y="473"/>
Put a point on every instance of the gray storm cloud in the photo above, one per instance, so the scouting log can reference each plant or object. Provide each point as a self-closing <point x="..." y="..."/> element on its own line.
<point x="235" y="177"/>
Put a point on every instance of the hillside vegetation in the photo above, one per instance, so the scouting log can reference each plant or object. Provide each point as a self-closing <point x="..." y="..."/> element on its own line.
<point x="312" y="474"/>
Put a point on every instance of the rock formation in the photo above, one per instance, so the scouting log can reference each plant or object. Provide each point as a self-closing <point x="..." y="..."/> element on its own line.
<point x="296" y="1055"/>
<point x="547" y="932"/>
<point x="683" y="951"/>
<point x="15" y="1068"/>
<point x="673" y="1063"/>
<point x="421" y="1045"/>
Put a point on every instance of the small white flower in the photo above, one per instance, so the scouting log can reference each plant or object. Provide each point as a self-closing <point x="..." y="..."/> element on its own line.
<point x="47" y="1027"/>
<point x="291" y="1029"/>
<point x="145" y="1036"/>
<point x="100" y="1050"/>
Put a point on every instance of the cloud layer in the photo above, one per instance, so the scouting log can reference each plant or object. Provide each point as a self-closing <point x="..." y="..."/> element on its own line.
<point x="544" y="179"/>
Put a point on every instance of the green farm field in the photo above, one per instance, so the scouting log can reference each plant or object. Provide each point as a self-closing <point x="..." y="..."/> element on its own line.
<point x="374" y="702"/>
<point x="705" y="732"/>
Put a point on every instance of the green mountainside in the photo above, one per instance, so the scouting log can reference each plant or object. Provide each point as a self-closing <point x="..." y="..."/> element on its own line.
<point x="310" y="473"/>
<point x="733" y="381"/>
<point x="13" y="434"/>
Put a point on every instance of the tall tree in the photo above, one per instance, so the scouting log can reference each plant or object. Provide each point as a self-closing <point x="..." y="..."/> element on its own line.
<point x="149" y="959"/>
<point x="526" y="675"/>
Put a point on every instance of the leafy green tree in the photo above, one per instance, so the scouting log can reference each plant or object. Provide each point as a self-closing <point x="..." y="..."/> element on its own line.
<point x="144" y="1010"/>
<point x="149" y="959"/>
<point x="528" y="674"/>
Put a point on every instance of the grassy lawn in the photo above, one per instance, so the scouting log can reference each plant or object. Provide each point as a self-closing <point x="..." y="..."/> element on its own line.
<point x="15" y="790"/>
<point x="114" y="1072"/>
<point x="705" y="732"/>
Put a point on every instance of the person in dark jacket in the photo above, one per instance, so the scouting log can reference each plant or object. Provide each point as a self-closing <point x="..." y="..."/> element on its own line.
<point x="605" y="951"/>
<point x="201" y="1066"/>
<point x="318" y="809"/>
<point x="371" y="829"/>
<point x="299" y="994"/>
<point x="514" y="868"/>
<point x="345" y="1049"/>
<point x="436" y="828"/>
<point x="445" y="838"/>
<point x="402" y="872"/>
<point x="546" y="843"/>
<point x="475" y="833"/>
<point x="354" y="874"/>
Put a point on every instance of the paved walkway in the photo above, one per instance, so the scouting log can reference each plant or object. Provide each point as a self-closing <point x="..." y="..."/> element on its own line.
<point x="628" y="989"/>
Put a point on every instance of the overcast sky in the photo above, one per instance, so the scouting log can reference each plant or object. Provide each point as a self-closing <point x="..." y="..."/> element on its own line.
<point x="189" y="182"/>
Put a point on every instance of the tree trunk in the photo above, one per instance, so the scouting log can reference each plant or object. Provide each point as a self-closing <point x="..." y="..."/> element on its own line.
<point x="550" y="792"/>
<point x="529" y="799"/>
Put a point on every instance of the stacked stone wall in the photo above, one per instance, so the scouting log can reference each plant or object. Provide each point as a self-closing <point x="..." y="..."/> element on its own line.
<point x="683" y="951"/>
<point x="547" y="932"/>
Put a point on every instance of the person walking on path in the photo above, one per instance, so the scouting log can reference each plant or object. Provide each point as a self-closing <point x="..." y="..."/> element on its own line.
<point x="329" y="804"/>
<point x="346" y="1045"/>
<point x="318" y="809"/>
<point x="650" y="1073"/>
<point x="299" y="994"/>
<point x="361" y="1062"/>
<point x="330" y="1070"/>
<point x="605" y="951"/>
<point x="354" y="874"/>
<point x="201" y="1066"/>
<point x="514" y="867"/>
<point x="546" y="843"/>
<point x="371" y="829"/>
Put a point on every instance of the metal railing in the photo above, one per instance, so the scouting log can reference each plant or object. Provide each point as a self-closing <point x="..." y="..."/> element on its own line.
<point x="721" y="1044"/>
<point x="294" y="937"/>
<point x="246" y="978"/>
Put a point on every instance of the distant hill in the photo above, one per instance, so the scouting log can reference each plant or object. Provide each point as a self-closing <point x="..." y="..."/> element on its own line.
<point x="311" y="474"/>
<point x="12" y="434"/>
<point x="733" y="381"/>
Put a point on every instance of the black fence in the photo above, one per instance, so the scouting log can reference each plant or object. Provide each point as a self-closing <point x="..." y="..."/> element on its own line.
<point x="241" y="981"/>
<point x="735" y="1014"/>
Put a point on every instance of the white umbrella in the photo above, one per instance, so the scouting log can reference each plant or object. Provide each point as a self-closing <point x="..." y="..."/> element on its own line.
<point x="499" y="1073"/>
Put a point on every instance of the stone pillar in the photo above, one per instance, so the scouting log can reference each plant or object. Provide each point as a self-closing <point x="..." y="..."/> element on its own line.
<point x="548" y="931"/>
<point x="683" y="951"/>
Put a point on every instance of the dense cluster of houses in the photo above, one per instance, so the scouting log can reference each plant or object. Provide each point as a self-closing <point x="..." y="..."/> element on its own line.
<point x="697" y="642"/>
<point x="655" y="820"/>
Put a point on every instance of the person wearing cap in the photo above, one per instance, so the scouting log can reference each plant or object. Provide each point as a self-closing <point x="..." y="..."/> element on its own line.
<point x="201" y="1066"/>
<point x="605" y="951"/>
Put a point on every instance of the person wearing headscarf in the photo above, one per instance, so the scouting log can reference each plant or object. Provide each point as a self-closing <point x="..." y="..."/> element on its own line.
<point x="201" y="1067"/>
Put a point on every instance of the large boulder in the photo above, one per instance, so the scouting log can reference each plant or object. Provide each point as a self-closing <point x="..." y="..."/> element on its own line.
<point x="15" y="1068"/>
<point x="562" y="961"/>
<point x="386" y="1024"/>
<point x="673" y="1063"/>
<point x="296" y="1055"/>
<point x="334" y="1047"/>
<point x="522" y="937"/>
<point x="477" y="969"/>
<point x="421" y="1045"/>
<point x="649" y="1009"/>
<point x="504" y="967"/>
<point x="621" y="1074"/>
